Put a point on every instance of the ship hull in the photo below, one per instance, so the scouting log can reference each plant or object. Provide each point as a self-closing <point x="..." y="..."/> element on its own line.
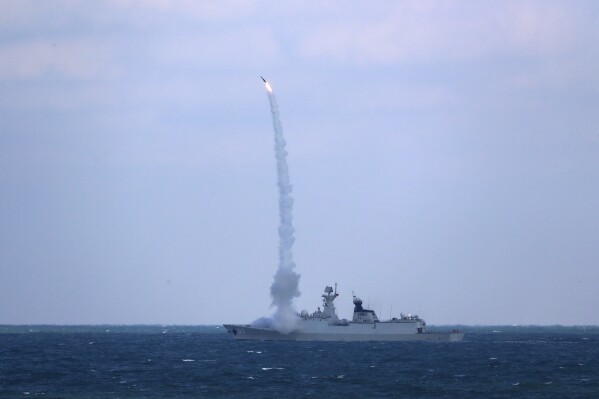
<point x="341" y="333"/>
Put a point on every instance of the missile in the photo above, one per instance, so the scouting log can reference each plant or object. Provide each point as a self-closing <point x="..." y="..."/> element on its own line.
<point x="266" y="85"/>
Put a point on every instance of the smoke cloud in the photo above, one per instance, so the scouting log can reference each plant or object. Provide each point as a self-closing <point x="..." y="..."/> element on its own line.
<point x="286" y="281"/>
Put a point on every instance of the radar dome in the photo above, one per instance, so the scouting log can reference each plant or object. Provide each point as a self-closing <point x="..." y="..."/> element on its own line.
<point x="357" y="301"/>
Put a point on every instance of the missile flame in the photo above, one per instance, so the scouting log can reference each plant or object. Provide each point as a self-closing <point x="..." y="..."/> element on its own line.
<point x="266" y="84"/>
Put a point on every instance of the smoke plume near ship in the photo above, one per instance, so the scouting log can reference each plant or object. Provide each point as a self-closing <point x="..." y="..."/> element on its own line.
<point x="285" y="286"/>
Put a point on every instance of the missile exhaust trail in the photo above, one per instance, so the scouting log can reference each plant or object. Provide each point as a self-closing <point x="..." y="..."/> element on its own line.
<point x="286" y="281"/>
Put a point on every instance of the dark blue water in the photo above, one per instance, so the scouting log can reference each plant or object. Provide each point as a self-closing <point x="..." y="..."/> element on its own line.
<point x="198" y="362"/>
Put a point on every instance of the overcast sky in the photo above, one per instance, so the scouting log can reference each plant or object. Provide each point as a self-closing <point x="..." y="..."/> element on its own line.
<point x="444" y="158"/>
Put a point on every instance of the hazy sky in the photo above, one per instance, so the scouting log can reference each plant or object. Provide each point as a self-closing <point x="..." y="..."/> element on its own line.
<point x="444" y="158"/>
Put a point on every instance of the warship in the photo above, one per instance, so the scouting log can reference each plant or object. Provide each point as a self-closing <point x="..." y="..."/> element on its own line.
<point x="324" y="325"/>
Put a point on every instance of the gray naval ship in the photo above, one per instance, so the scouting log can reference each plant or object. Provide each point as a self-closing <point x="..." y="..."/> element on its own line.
<point x="324" y="325"/>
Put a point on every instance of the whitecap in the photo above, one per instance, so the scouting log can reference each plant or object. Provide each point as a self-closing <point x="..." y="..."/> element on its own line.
<point x="516" y="384"/>
<point x="266" y="368"/>
<point x="187" y="360"/>
<point x="549" y="383"/>
<point x="340" y="376"/>
<point x="492" y="358"/>
<point x="90" y="342"/>
<point x="250" y="378"/>
<point x="250" y="351"/>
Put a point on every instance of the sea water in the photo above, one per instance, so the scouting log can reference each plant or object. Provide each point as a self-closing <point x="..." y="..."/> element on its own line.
<point x="198" y="362"/>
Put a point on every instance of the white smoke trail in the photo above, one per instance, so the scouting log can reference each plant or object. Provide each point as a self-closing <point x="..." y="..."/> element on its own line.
<point x="286" y="281"/>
